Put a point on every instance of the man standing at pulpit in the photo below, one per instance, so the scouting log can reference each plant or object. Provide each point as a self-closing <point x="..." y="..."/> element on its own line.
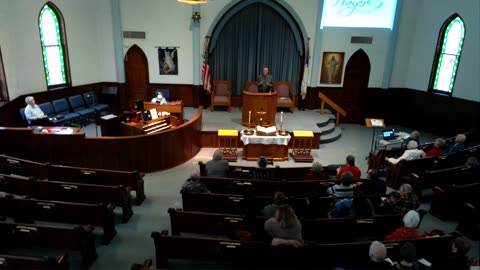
<point x="265" y="82"/>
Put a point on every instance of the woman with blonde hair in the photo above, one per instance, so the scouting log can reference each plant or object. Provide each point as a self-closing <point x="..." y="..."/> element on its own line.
<point x="284" y="228"/>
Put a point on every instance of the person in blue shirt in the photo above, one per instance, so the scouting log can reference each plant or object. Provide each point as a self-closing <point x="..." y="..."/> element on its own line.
<point x="457" y="146"/>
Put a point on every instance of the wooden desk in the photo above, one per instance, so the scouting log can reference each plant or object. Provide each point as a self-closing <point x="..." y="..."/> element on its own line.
<point x="259" y="102"/>
<point x="175" y="109"/>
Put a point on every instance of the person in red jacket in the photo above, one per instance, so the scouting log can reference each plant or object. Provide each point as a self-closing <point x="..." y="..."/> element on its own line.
<point x="437" y="149"/>
<point x="350" y="167"/>
<point x="409" y="231"/>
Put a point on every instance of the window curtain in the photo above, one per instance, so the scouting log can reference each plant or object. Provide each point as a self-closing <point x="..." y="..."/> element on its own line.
<point x="256" y="37"/>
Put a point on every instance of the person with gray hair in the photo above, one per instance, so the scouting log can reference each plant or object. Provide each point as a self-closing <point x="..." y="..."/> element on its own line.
<point x="34" y="114"/>
<point x="316" y="173"/>
<point x="401" y="202"/>
<point x="193" y="184"/>
<point x="437" y="149"/>
<point x="414" y="136"/>
<point x="217" y="167"/>
<point x="458" y="145"/>
<point x="410" y="229"/>
<point x="410" y="154"/>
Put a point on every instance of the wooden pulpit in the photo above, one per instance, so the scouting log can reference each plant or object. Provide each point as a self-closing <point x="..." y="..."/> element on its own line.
<point x="263" y="107"/>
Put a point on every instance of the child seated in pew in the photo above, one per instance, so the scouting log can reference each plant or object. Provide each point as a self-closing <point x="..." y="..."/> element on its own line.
<point x="408" y="252"/>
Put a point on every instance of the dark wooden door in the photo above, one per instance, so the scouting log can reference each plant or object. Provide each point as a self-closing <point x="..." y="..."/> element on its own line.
<point x="136" y="75"/>
<point x="355" y="85"/>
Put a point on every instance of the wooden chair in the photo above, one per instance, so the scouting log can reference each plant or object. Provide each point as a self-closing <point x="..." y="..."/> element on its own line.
<point x="251" y="86"/>
<point x="221" y="94"/>
<point x="285" y="96"/>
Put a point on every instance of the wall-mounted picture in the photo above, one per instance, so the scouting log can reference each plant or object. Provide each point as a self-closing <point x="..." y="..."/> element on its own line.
<point x="168" y="60"/>
<point x="332" y="68"/>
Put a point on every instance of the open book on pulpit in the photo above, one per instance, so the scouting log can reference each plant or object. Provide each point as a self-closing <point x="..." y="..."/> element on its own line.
<point x="267" y="131"/>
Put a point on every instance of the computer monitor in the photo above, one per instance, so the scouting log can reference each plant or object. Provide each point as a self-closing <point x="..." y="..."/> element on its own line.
<point x="388" y="133"/>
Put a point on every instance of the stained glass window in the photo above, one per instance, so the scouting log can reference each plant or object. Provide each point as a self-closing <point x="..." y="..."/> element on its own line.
<point x="52" y="47"/>
<point x="452" y="36"/>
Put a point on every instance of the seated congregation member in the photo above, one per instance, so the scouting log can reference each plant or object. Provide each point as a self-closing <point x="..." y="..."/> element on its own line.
<point x="193" y="184"/>
<point x="284" y="228"/>
<point x="159" y="98"/>
<point x="437" y="149"/>
<point x="350" y="167"/>
<point x="345" y="188"/>
<point x="315" y="207"/>
<point x="456" y="146"/>
<point x="374" y="186"/>
<point x="414" y="136"/>
<point x="409" y="231"/>
<point x="359" y="207"/>
<point x="316" y="173"/>
<point x="378" y="256"/>
<point x="262" y="173"/>
<point x="457" y="258"/>
<point x="217" y="166"/>
<point x="472" y="172"/>
<point x="401" y="202"/>
<point x="269" y="210"/>
<point x="410" y="154"/>
<point x="34" y="114"/>
<point x="408" y="252"/>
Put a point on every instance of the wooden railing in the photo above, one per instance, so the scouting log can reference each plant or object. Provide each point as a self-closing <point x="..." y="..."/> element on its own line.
<point x="334" y="106"/>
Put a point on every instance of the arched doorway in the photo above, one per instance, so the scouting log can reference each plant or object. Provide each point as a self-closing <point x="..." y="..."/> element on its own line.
<point x="136" y="75"/>
<point x="238" y="51"/>
<point x="355" y="85"/>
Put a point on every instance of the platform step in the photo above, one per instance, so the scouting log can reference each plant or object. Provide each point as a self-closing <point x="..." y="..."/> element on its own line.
<point x="332" y="136"/>
<point x="327" y="129"/>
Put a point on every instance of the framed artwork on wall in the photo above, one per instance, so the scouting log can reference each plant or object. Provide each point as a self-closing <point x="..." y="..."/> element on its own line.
<point x="332" y="68"/>
<point x="168" y="60"/>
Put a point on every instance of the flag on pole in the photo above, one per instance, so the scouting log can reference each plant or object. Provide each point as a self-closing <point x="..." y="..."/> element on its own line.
<point x="206" y="69"/>
<point x="306" y="69"/>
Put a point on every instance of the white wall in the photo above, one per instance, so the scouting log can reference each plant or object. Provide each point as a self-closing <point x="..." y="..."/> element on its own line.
<point x="89" y="40"/>
<point x="337" y="39"/>
<point x="419" y="27"/>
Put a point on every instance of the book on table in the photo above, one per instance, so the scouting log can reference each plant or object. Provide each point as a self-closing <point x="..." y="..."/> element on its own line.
<point x="268" y="131"/>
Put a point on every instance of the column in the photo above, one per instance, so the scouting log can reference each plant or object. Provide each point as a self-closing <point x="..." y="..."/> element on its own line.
<point x="118" y="40"/>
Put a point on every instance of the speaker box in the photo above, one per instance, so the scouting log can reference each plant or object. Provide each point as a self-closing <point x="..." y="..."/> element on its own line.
<point x="127" y="117"/>
<point x="138" y="104"/>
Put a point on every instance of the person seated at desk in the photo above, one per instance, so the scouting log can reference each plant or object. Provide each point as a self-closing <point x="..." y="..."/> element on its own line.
<point x="437" y="149"/>
<point x="34" y="114"/>
<point x="217" y="167"/>
<point x="265" y="82"/>
<point x="457" y="146"/>
<point x="410" y="154"/>
<point x="159" y="99"/>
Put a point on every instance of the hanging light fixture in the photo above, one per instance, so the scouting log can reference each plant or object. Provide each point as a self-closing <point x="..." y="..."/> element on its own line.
<point x="193" y="2"/>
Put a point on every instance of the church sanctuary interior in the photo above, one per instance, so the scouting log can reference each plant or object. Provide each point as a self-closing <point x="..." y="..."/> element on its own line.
<point x="232" y="134"/>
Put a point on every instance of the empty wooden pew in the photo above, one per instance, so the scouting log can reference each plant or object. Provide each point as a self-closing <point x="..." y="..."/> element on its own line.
<point x="340" y="229"/>
<point x="452" y="197"/>
<point x="430" y="179"/>
<point x="38" y="263"/>
<point x="263" y="254"/>
<point x="13" y="165"/>
<point x="62" y="212"/>
<point x="235" y="204"/>
<point x="20" y="236"/>
<point x="132" y="179"/>
<point x="469" y="223"/>
<point x="70" y="192"/>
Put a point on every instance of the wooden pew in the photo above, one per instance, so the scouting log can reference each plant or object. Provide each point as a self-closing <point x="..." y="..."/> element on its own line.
<point x="62" y="212"/>
<point x="430" y="179"/>
<point x="469" y="223"/>
<point x="69" y="192"/>
<point x="235" y="204"/>
<point x="12" y="165"/>
<point x="24" y="262"/>
<point x="261" y="187"/>
<point x="132" y="179"/>
<point x="448" y="197"/>
<point x="21" y="236"/>
<point x="260" y="254"/>
<point x="340" y="229"/>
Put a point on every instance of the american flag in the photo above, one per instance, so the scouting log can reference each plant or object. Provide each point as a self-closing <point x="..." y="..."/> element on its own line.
<point x="206" y="69"/>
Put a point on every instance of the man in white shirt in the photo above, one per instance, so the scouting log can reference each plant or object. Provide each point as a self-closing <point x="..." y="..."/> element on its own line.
<point x="34" y="114"/>
<point x="410" y="154"/>
<point x="159" y="99"/>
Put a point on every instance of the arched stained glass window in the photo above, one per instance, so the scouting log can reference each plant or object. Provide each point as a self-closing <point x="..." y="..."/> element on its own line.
<point x="449" y="49"/>
<point x="53" y="46"/>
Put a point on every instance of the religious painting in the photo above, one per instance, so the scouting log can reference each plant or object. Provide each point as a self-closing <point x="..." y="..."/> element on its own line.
<point x="332" y="68"/>
<point x="168" y="60"/>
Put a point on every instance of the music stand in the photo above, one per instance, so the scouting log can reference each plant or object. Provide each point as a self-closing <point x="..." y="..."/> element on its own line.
<point x="373" y="123"/>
